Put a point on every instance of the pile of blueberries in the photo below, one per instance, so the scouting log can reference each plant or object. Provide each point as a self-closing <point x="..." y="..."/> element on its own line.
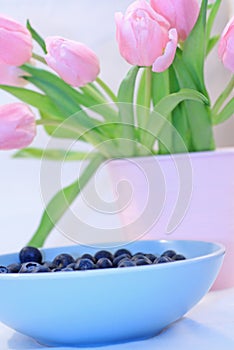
<point x="31" y="261"/>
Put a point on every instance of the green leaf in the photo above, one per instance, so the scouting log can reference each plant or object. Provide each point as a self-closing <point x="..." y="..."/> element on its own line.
<point x="181" y="125"/>
<point x="61" y="202"/>
<point x="126" y="109"/>
<point x="35" y="99"/>
<point x="160" y="117"/>
<point x="195" y="48"/>
<point x="178" y="117"/>
<point x="52" y="154"/>
<point x="166" y="105"/>
<point x="63" y="95"/>
<point x="67" y="99"/>
<point x="225" y="114"/>
<point x="198" y="115"/>
<point x="36" y="37"/>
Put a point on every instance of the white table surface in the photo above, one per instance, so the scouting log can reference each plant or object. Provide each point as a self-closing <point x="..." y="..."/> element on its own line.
<point x="209" y="325"/>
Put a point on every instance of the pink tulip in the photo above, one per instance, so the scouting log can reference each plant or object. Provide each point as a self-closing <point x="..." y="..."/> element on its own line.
<point x="15" y="42"/>
<point x="144" y="37"/>
<point x="17" y="126"/>
<point x="226" y="46"/>
<point x="11" y="75"/>
<point x="74" y="62"/>
<point x="181" y="14"/>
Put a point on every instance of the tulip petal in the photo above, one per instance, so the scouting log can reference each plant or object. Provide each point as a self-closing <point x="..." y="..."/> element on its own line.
<point x="74" y="62"/>
<point x="10" y="75"/>
<point x="15" y="42"/>
<point x="145" y="6"/>
<point x="126" y="39"/>
<point x="226" y="46"/>
<point x="141" y="34"/>
<point x="182" y="14"/>
<point x="17" y="126"/>
<point x="164" y="61"/>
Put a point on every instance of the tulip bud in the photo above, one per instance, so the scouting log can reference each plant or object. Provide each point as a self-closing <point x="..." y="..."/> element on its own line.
<point x="11" y="75"/>
<point x="74" y="62"/>
<point x="181" y="14"/>
<point x="17" y="126"/>
<point x="226" y="46"/>
<point x="15" y="42"/>
<point x="144" y="37"/>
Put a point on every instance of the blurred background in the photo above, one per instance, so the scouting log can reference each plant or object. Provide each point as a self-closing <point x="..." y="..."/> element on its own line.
<point x="91" y="22"/>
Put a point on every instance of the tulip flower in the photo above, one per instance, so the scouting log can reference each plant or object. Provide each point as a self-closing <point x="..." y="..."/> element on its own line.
<point x="15" y="42"/>
<point x="226" y="46"/>
<point x="11" y="75"/>
<point x="74" y="62"/>
<point x="145" y="38"/>
<point x="17" y="126"/>
<point x="181" y="14"/>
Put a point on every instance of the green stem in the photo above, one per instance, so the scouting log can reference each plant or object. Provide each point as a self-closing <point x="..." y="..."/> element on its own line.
<point x="90" y="91"/>
<point x="61" y="202"/>
<point x="39" y="58"/>
<point x="103" y="107"/>
<point x="222" y="98"/>
<point x="143" y="122"/>
<point x="107" y="89"/>
<point x="148" y="87"/>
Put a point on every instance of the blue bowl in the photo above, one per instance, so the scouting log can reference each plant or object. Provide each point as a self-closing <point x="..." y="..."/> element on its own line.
<point x="98" y="307"/>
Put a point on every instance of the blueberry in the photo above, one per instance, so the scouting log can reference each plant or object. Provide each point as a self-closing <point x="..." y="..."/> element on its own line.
<point x="138" y="256"/>
<point x="126" y="263"/>
<point x="142" y="261"/>
<point x="103" y="254"/>
<point x="177" y="257"/>
<point x="71" y="266"/>
<point x="62" y="260"/>
<point x="151" y="257"/>
<point x="169" y="253"/>
<point x="162" y="260"/>
<point x="57" y="269"/>
<point x="138" y="253"/>
<point x="120" y="258"/>
<point x="14" y="268"/>
<point x="85" y="264"/>
<point x="104" y="263"/>
<point x="29" y="254"/>
<point x="41" y="269"/>
<point x="67" y="269"/>
<point x="3" y="269"/>
<point x="49" y="264"/>
<point x="88" y="256"/>
<point x="29" y="267"/>
<point x="121" y="252"/>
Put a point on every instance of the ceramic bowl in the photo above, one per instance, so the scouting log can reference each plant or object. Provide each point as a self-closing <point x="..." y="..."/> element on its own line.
<point x="98" y="307"/>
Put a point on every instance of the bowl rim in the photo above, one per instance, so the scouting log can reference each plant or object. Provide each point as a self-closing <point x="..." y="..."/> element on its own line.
<point x="219" y="251"/>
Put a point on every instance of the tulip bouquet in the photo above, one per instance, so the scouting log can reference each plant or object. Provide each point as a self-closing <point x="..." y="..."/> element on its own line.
<point x="162" y="105"/>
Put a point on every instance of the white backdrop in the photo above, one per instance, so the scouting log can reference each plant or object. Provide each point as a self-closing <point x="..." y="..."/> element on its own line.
<point x="91" y="22"/>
